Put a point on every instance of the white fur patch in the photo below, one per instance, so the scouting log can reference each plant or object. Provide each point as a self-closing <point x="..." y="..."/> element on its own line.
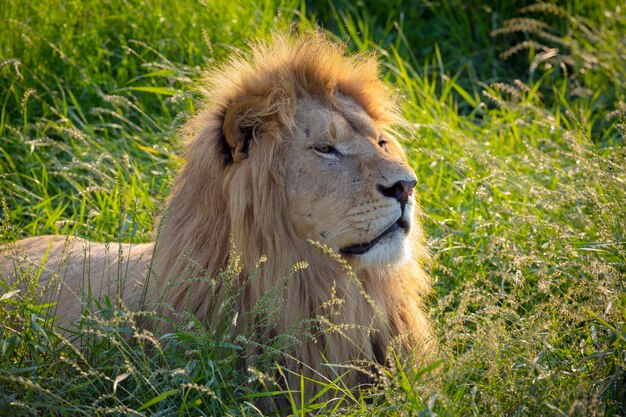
<point x="392" y="249"/>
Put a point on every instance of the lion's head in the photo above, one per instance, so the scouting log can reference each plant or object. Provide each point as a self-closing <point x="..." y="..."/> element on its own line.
<point x="347" y="184"/>
<point x="296" y="144"/>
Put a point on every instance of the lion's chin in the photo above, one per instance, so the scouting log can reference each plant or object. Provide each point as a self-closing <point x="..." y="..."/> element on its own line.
<point x="393" y="249"/>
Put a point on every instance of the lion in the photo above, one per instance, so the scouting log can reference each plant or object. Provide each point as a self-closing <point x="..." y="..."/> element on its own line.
<point x="293" y="159"/>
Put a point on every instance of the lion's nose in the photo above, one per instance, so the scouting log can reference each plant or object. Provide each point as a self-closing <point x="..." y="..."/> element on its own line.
<point x="400" y="191"/>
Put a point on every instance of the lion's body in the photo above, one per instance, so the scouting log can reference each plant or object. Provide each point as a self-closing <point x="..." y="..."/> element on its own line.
<point x="289" y="150"/>
<point x="70" y="269"/>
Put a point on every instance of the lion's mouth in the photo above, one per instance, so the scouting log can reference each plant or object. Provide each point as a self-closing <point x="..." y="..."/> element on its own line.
<point x="361" y="248"/>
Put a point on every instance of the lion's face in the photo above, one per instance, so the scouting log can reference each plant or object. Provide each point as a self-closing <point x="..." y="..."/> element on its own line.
<point x="348" y="186"/>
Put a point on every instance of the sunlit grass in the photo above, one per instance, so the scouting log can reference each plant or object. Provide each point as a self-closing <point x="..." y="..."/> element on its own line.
<point x="517" y="140"/>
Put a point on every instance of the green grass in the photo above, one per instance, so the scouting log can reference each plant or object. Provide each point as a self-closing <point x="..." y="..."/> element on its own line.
<point x="517" y="141"/>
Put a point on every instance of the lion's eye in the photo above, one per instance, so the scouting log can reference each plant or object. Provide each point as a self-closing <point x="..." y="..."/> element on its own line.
<point x="325" y="148"/>
<point x="382" y="143"/>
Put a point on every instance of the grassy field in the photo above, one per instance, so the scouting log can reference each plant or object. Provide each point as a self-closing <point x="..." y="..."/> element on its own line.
<point x="519" y="121"/>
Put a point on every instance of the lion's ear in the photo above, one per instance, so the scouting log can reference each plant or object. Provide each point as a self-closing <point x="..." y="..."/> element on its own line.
<point x="240" y="122"/>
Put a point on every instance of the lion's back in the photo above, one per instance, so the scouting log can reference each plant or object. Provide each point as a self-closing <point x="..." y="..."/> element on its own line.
<point x="66" y="269"/>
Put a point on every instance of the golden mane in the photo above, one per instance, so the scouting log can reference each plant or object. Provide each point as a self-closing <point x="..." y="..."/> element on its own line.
<point x="222" y="197"/>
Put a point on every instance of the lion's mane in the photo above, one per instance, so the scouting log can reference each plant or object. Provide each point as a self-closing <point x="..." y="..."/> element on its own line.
<point x="220" y="197"/>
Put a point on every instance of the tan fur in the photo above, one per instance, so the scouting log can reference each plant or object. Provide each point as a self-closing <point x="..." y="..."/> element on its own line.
<point x="70" y="269"/>
<point x="253" y="177"/>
